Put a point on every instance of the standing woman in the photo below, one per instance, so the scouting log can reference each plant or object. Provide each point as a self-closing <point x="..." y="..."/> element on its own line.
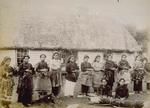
<point x="25" y="83"/>
<point x="138" y="74"/>
<point x="72" y="75"/>
<point x="56" y="75"/>
<point x="123" y="70"/>
<point x="86" y="75"/>
<point x="147" y="72"/>
<point x="98" y="67"/>
<point x="43" y="83"/>
<point x="110" y="68"/>
<point x="6" y="82"/>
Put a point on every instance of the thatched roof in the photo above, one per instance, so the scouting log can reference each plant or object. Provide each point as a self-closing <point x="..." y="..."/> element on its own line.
<point x="76" y="32"/>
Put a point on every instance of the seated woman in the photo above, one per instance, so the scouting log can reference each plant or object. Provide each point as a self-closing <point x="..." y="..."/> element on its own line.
<point x="122" y="91"/>
<point x="104" y="89"/>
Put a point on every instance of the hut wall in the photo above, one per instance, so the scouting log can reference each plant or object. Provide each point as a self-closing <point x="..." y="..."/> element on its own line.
<point x="9" y="53"/>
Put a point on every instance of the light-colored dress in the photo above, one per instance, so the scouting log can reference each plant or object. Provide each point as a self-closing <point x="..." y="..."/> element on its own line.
<point x="71" y="78"/>
<point x="98" y="73"/>
<point x="56" y="75"/>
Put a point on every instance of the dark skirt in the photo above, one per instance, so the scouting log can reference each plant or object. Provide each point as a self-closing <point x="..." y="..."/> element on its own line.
<point x="25" y="90"/>
<point x="137" y="85"/>
<point x="109" y="75"/>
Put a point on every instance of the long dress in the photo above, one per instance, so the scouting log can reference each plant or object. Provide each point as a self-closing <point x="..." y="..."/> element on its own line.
<point x="56" y="76"/>
<point x="98" y="73"/>
<point x="43" y="83"/>
<point x="123" y="71"/>
<point x="147" y="75"/>
<point x="6" y="84"/>
<point x="138" y="75"/>
<point x="71" y="78"/>
<point x="86" y="75"/>
<point x="25" y="83"/>
<point x="109" y="73"/>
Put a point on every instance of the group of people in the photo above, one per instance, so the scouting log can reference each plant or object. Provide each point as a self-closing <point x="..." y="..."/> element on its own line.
<point x="100" y="75"/>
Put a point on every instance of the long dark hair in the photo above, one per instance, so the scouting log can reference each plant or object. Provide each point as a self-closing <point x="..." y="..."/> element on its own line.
<point x="68" y="60"/>
<point x="56" y="52"/>
<point x="96" y="57"/>
<point x="5" y="60"/>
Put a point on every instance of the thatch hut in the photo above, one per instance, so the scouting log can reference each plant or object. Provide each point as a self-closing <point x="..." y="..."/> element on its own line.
<point x="78" y="35"/>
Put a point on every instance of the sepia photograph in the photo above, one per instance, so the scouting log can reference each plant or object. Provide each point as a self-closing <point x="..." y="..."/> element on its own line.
<point x="74" y="53"/>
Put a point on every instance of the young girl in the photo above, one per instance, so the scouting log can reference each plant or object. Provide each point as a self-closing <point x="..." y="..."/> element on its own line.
<point x="25" y="83"/>
<point x="104" y="89"/>
<point x="138" y="74"/>
<point x="6" y="82"/>
<point x="72" y="75"/>
<point x="98" y="67"/>
<point x="43" y="84"/>
<point x="122" y="91"/>
<point x="123" y="69"/>
<point x="86" y="75"/>
<point x="56" y="76"/>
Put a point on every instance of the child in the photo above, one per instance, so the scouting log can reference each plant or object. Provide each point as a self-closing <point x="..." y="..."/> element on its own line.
<point x="122" y="91"/>
<point x="43" y="84"/>
<point x="56" y="75"/>
<point x="98" y="67"/>
<point x="123" y="69"/>
<point x="104" y="89"/>
<point x="86" y="75"/>
<point x="138" y="74"/>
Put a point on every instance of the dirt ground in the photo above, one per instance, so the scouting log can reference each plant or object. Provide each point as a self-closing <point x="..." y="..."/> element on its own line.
<point x="69" y="102"/>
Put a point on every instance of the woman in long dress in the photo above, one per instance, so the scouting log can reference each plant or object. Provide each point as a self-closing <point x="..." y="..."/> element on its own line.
<point x="72" y="75"/>
<point x="147" y="72"/>
<point x="56" y="75"/>
<point x="110" y="67"/>
<point x="123" y="70"/>
<point x="98" y="67"/>
<point x="25" y="83"/>
<point x="138" y="74"/>
<point x="86" y="76"/>
<point x="43" y="83"/>
<point x="6" y="82"/>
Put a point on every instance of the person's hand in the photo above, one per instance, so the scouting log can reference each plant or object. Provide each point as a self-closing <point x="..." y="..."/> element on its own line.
<point x="122" y="99"/>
